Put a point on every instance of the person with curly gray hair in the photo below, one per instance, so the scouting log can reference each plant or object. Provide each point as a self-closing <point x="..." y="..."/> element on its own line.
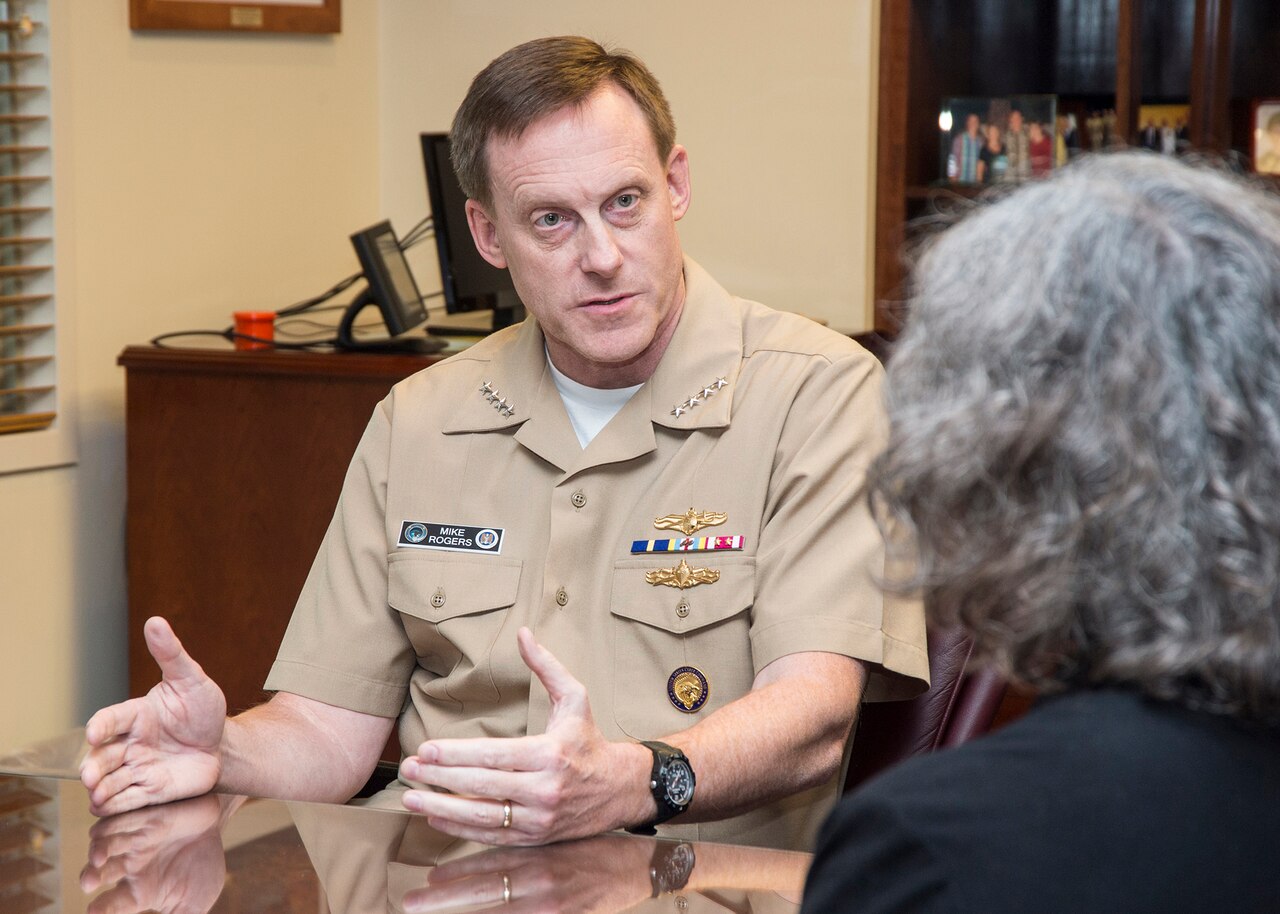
<point x="1085" y="447"/>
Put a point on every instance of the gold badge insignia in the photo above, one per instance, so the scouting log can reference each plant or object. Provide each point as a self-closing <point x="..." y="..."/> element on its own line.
<point x="691" y="521"/>
<point x="682" y="576"/>
<point x="688" y="689"/>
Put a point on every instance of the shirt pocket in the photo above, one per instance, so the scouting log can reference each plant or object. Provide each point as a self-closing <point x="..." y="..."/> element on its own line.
<point x="453" y="609"/>
<point x="658" y="630"/>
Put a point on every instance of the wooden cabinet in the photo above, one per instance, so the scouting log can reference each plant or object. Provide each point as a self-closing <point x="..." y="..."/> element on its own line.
<point x="1216" y="55"/>
<point x="235" y="461"/>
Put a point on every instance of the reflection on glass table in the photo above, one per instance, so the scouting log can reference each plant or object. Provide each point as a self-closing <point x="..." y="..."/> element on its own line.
<point x="234" y="854"/>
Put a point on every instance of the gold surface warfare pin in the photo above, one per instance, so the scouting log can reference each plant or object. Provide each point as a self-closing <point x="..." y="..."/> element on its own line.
<point x="691" y="521"/>
<point x="682" y="576"/>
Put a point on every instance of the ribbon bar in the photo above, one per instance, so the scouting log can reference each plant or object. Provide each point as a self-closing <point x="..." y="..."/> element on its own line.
<point x="688" y="544"/>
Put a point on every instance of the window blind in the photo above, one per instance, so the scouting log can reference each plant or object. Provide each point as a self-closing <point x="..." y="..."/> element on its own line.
<point x="28" y="394"/>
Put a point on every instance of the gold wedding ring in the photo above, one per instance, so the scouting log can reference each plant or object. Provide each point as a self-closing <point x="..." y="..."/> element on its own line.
<point x="506" y="886"/>
<point x="506" y="823"/>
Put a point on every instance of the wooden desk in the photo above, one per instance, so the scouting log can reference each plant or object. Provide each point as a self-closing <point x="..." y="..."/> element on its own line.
<point x="264" y="856"/>
<point x="235" y="461"/>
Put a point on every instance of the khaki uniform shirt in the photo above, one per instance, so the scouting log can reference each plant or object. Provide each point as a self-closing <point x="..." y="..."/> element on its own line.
<point x="787" y="417"/>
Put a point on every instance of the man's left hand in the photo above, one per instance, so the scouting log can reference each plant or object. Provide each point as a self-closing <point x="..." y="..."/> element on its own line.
<point x="159" y="858"/>
<point x="568" y="782"/>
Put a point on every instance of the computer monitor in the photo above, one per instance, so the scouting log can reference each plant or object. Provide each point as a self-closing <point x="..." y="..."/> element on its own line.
<point x="391" y="287"/>
<point x="470" y="283"/>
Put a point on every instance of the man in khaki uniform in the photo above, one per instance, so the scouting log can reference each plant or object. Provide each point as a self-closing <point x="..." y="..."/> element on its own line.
<point x="661" y="481"/>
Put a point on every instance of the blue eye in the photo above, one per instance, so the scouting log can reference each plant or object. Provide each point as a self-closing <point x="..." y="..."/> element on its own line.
<point x="549" y="220"/>
<point x="627" y="200"/>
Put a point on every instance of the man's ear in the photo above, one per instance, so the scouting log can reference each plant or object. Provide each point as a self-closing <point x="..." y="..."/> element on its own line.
<point x="485" y="234"/>
<point x="678" y="181"/>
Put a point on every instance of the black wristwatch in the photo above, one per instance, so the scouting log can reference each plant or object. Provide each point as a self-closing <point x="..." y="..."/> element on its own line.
<point x="671" y="781"/>
<point x="671" y="866"/>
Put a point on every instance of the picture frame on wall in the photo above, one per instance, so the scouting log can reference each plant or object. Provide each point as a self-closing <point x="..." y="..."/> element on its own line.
<point x="1264" y="144"/>
<point x="998" y="140"/>
<point x="303" y="16"/>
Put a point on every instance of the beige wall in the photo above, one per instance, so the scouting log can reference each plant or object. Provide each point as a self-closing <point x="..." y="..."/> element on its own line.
<point x="206" y="173"/>
<point x="775" y="102"/>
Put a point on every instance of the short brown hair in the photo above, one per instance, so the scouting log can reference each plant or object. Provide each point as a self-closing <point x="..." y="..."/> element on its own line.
<point x="540" y="77"/>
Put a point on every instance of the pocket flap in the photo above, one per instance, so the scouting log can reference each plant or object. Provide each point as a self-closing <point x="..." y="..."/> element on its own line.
<point x="658" y="605"/>
<point x="460" y="585"/>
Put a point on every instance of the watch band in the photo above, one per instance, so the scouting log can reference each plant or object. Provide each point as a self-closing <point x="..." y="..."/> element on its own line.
<point x="671" y="781"/>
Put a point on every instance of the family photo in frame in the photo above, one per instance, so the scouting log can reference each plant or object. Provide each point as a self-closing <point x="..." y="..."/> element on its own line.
<point x="1265" y="145"/>
<point x="997" y="140"/>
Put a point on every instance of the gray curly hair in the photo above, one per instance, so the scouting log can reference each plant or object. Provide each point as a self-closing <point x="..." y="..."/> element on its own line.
<point x="1085" y="433"/>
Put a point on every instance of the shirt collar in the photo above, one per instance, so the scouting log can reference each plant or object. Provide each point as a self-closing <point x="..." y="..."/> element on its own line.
<point x="691" y="388"/>
<point x="513" y="379"/>
<point x="693" y="385"/>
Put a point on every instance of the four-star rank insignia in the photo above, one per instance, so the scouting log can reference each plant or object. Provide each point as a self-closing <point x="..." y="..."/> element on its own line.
<point x="499" y="402"/>
<point x="688" y="689"/>
<point x="699" y="397"/>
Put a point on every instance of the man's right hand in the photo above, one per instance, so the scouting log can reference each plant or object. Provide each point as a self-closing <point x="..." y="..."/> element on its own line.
<point x="163" y="746"/>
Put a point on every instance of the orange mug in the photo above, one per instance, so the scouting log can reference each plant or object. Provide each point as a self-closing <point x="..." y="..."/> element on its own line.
<point x="260" y="325"/>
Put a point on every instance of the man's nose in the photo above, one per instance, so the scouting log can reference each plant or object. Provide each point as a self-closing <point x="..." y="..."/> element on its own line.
<point x="600" y="251"/>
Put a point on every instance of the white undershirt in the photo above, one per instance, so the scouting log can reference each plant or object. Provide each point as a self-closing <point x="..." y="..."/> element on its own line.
<point x="589" y="408"/>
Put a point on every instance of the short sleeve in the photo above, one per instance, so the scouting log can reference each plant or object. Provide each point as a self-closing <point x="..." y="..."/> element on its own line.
<point x="344" y="645"/>
<point x="821" y="559"/>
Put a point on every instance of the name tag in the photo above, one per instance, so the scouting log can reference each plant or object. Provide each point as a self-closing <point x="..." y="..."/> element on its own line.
<point x="415" y="534"/>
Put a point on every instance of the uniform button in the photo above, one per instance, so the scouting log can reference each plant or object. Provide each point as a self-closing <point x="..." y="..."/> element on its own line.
<point x="437" y="598"/>
<point x="562" y="596"/>
<point x="682" y="903"/>
<point x="579" y="499"/>
<point x="682" y="608"/>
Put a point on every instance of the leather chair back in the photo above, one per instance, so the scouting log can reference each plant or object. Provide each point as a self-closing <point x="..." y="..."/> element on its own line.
<point x="960" y="705"/>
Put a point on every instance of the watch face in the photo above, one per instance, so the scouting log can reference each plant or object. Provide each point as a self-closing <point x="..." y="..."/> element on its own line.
<point x="677" y="777"/>
<point x="675" y="868"/>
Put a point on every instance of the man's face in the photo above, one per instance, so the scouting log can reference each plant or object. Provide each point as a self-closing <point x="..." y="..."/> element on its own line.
<point x="584" y="215"/>
<point x="1015" y="122"/>
<point x="971" y="124"/>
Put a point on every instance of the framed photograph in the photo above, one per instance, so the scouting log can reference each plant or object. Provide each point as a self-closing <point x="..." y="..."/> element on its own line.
<point x="314" y="16"/>
<point x="1163" y="128"/>
<point x="1265" y="142"/>
<point x="996" y="140"/>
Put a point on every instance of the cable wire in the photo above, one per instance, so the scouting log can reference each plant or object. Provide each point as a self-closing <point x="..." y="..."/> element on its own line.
<point x="423" y="229"/>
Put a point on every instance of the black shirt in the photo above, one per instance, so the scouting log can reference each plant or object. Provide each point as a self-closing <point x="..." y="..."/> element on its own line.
<point x="1095" y="801"/>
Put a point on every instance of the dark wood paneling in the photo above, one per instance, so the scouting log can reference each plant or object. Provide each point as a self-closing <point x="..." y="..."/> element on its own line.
<point x="1164" y="56"/>
<point x="1086" y="42"/>
<point x="235" y="461"/>
<point x="1128" y="70"/>
<point x="1211" y="76"/>
<point x="1255" y="49"/>
<point x="891" y="154"/>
